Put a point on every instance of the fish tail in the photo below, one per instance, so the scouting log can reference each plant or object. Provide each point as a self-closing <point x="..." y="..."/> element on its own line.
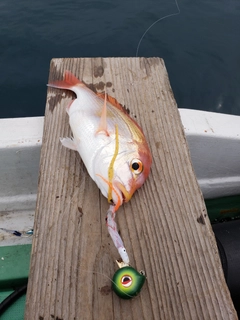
<point x="69" y="82"/>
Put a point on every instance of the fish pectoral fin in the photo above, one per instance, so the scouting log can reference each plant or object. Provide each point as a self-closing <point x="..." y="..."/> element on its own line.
<point x="68" y="143"/>
<point x="103" y="120"/>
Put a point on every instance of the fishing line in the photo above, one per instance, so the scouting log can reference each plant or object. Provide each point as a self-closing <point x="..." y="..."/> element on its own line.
<point x="104" y="275"/>
<point x="160" y="19"/>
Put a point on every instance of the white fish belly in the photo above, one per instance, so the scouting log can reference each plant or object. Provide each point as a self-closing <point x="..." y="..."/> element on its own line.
<point x="89" y="144"/>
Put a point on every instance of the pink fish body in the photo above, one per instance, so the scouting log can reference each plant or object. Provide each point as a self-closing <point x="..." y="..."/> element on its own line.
<point x="110" y="143"/>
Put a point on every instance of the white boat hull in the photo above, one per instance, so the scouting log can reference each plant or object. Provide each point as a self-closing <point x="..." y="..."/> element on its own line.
<point x="213" y="139"/>
<point x="214" y="144"/>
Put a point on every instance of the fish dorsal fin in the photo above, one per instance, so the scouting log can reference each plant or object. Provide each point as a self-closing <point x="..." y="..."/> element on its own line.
<point x="112" y="100"/>
<point x="136" y="130"/>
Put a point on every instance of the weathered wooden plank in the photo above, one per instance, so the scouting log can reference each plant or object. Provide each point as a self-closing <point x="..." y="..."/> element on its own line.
<point x="164" y="227"/>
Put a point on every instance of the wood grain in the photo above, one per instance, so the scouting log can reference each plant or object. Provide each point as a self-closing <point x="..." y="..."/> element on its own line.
<point x="165" y="226"/>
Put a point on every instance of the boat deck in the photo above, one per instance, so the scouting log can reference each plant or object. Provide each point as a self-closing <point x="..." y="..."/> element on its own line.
<point x="165" y="226"/>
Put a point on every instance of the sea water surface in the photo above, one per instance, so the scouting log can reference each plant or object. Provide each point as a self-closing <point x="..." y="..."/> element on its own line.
<point x="200" y="46"/>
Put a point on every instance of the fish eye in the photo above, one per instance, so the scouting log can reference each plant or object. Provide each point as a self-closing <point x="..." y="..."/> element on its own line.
<point x="136" y="166"/>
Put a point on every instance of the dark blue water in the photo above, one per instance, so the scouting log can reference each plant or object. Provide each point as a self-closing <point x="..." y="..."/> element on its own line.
<point x="200" y="46"/>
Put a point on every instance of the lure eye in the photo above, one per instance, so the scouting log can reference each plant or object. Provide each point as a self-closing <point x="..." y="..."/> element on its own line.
<point x="126" y="281"/>
<point x="136" y="166"/>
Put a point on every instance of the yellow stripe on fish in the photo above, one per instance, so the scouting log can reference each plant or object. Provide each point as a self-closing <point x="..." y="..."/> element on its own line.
<point x="110" y="169"/>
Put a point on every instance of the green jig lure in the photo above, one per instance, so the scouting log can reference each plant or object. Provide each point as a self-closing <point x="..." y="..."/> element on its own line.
<point x="127" y="281"/>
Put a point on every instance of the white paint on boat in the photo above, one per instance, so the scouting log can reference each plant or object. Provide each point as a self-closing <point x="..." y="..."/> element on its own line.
<point x="20" y="145"/>
<point x="214" y="143"/>
<point x="213" y="139"/>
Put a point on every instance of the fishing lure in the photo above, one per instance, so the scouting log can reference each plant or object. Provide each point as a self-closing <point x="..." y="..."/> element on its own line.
<point x="117" y="240"/>
<point x="127" y="282"/>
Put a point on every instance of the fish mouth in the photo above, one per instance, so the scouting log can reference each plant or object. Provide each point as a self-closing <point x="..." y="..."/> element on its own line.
<point x="126" y="196"/>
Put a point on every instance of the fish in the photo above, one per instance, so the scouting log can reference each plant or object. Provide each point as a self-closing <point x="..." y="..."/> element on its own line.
<point x="110" y="143"/>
